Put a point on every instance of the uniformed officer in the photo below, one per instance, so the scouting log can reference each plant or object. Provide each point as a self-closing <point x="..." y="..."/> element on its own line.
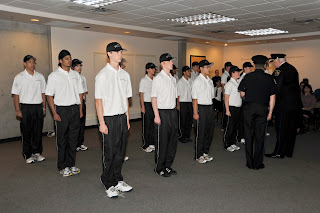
<point x="112" y="90"/>
<point x="65" y="94"/>
<point x="30" y="103"/>
<point x="232" y="102"/>
<point x="77" y="66"/>
<point x="258" y="90"/>
<point x="288" y="107"/>
<point x="184" y="104"/>
<point x="202" y="95"/>
<point x="163" y="99"/>
<point x="145" y="88"/>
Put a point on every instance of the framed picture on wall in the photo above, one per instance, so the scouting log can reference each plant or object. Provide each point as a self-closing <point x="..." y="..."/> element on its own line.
<point x="196" y="58"/>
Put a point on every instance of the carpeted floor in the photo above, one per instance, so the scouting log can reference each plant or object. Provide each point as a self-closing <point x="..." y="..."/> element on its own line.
<point x="224" y="185"/>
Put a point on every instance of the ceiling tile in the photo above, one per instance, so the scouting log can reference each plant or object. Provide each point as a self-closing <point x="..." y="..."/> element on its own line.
<point x="261" y="7"/>
<point x="27" y="5"/>
<point x="291" y="3"/>
<point x="216" y="8"/>
<point x="170" y="7"/>
<point x="275" y="12"/>
<point x="123" y="7"/>
<point x="146" y="12"/>
<point x="189" y="12"/>
<point x="240" y="3"/>
<point x="305" y="7"/>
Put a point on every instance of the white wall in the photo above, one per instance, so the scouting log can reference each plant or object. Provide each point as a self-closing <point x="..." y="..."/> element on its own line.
<point x="83" y="45"/>
<point x="304" y="55"/>
<point x="212" y="53"/>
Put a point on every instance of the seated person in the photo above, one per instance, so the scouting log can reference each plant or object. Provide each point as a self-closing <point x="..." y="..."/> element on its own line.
<point x="308" y="102"/>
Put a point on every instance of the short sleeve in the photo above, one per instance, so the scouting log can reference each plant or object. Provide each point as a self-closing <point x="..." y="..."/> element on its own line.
<point x="194" y="91"/>
<point x="16" y="86"/>
<point x="228" y="89"/>
<point x="141" y="86"/>
<point x="129" y="88"/>
<point x="154" y="90"/>
<point x="43" y="84"/>
<point x="85" y="87"/>
<point x="243" y="85"/>
<point x="274" y="87"/>
<point x="179" y="88"/>
<point x="80" y="87"/>
<point x="97" y="87"/>
<point x="224" y="78"/>
<point x="50" y="90"/>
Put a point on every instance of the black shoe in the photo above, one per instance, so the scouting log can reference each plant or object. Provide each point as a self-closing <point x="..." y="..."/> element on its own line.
<point x="183" y="140"/>
<point x="261" y="166"/>
<point x="171" y="171"/>
<point x="163" y="173"/>
<point x="250" y="167"/>
<point x="189" y="140"/>
<point x="272" y="155"/>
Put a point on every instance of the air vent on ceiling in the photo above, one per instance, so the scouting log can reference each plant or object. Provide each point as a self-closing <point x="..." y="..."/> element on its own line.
<point x="216" y="31"/>
<point x="101" y="11"/>
<point x="306" y="21"/>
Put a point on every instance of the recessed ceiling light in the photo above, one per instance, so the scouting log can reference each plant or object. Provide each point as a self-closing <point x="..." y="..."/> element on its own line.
<point x="269" y="31"/>
<point x="96" y="3"/>
<point x="207" y="42"/>
<point x="257" y="42"/>
<point x="294" y="39"/>
<point x="201" y="19"/>
<point x="35" y="19"/>
<point x="87" y="27"/>
<point x="127" y="32"/>
<point x="225" y="44"/>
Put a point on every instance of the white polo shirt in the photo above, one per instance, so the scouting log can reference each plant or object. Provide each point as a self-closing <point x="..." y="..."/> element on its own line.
<point x="231" y="88"/>
<point x="224" y="77"/>
<point x="145" y="87"/>
<point x="203" y="90"/>
<point x="194" y="75"/>
<point x="164" y="88"/>
<point x="176" y="77"/>
<point x="29" y="87"/>
<point x="113" y="87"/>
<point x="65" y="87"/>
<point x="84" y="83"/>
<point x="184" y="87"/>
<point x="217" y="93"/>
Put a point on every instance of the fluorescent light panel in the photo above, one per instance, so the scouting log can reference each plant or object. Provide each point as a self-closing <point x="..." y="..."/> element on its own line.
<point x="96" y="3"/>
<point x="269" y="31"/>
<point x="201" y="19"/>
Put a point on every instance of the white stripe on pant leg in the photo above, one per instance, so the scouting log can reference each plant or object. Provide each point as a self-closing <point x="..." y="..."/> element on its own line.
<point x="25" y="157"/>
<point x="225" y="132"/>
<point x="144" y="141"/>
<point x="197" y="135"/>
<point x="57" y="141"/>
<point x="155" y="169"/>
<point x="180" y="132"/>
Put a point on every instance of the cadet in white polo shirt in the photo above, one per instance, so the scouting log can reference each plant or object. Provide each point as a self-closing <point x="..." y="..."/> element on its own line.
<point x="112" y="90"/>
<point x="202" y="95"/>
<point x="65" y="93"/>
<point x="224" y="79"/>
<point x="163" y="99"/>
<point x="30" y="103"/>
<point x="184" y="104"/>
<point x="77" y="66"/>
<point x="194" y="70"/>
<point x="145" y="88"/>
<point x="232" y="102"/>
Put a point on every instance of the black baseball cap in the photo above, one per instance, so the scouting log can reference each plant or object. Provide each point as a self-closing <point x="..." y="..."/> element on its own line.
<point x="205" y="63"/>
<point x="63" y="53"/>
<point x="185" y="68"/>
<point x="150" y="65"/>
<point x="28" y="57"/>
<point x="195" y="63"/>
<point x="259" y="59"/>
<point x="228" y="64"/>
<point x="75" y="62"/>
<point x="247" y="64"/>
<point x="166" y="57"/>
<point x="114" y="47"/>
<point x="234" y="69"/>
<point x="275" y="56"/>
<point x="174" y="67"/>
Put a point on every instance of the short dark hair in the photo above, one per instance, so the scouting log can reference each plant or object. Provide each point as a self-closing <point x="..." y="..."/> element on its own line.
<point x="307" y="85"/>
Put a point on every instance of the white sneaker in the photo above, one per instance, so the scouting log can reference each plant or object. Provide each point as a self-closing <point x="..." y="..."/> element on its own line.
<point x="243" y="141"/>
<point x="112" y="192"/>
<point x="267" y="134"/>
<point x="51" y="133"/>
<point x="235" y="147"/>
<point x="207" y="157"/>
<point x="123" y="187"/>
<point x="66" y="172"/>
<point x="152" y="147"/>
<point x="230" y="149"/>
<point x="38" y="157"/>
<point x="30" y="160"/>
<point x="148" y="149"/>
<point x="75" y="170"/>
<point x="201" y="160"/>
<point x="126" y="158"/>
<point x="81" y="148"/>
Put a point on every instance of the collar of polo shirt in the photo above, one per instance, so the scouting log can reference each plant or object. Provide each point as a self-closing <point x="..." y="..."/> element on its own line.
<point x="113" y="69"/>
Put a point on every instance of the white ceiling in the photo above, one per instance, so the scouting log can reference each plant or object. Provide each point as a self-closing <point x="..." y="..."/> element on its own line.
<point x="148" y="17"/>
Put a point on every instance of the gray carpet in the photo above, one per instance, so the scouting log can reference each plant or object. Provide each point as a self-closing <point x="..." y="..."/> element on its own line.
<point x="224" y="185"/>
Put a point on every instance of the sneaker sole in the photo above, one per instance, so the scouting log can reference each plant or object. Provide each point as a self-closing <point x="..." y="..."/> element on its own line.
<point x="75" y="173"/>
<point x="67" y="175"/>
<point x="30" y="162"/>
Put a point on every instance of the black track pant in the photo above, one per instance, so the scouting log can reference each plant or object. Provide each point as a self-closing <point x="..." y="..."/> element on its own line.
<point x="255" y="127"/>
<point x="67" y="135"/>
<point x="82" y="124"/>
<point x="204" y="130"/>
<point x="147" y="126"/>
<point x="185" y="120"/>
<point x="231" y="131"/>
<point x="241" y="123"/>
<point x="114" y="148"/>
<point x="166" y="139"/>
<point x="31" y="129"/>
<point x="286" y="127"/>
<point x="224" y="117"/>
